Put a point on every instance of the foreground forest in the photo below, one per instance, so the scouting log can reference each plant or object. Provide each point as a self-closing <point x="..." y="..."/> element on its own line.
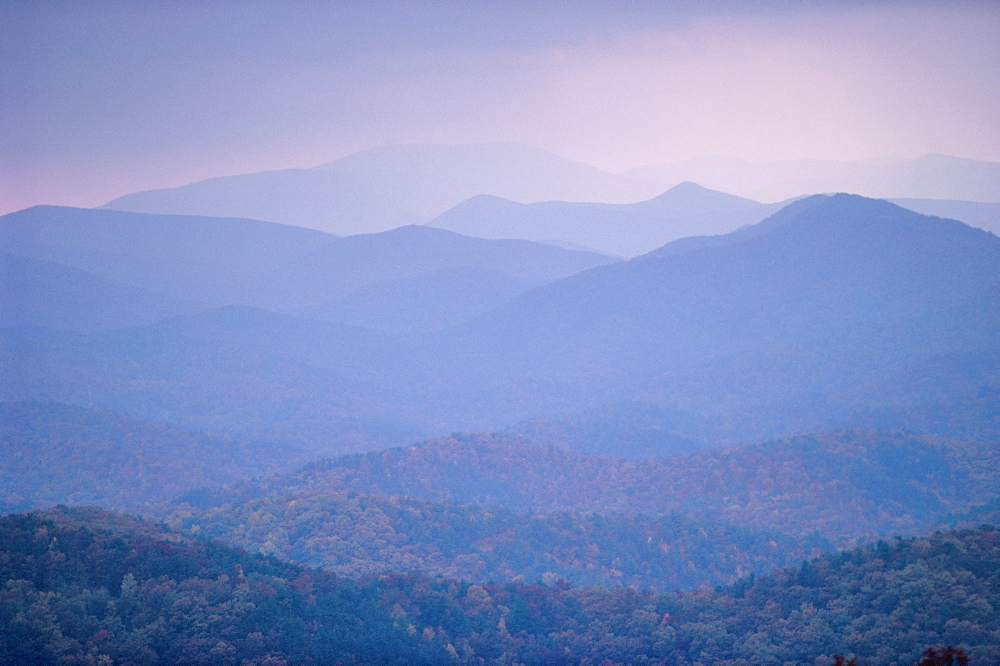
<point x="86" y="586"/>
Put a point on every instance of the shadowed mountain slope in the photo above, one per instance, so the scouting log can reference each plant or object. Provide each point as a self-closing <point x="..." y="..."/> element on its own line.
<point x="50" y="295"/>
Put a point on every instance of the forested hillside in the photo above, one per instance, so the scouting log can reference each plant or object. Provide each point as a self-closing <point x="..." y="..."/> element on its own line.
<point x="844" y="485"/>
<point x="82" y="586"/>
<point x="353" y="534"/>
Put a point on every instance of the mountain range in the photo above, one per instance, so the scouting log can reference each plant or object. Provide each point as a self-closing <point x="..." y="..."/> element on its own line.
<point x="90" y="270"/>
<point x="927" y="177"/>
<point x="626" y="230"/>
<point x="391" y="186"/>
<point x="715" y="415"/>
<point x="836" y="311"/>
<point x="829" y="306"/>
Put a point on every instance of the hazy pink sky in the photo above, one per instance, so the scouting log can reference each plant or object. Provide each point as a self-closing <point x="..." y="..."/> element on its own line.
<point x="99" y="99"/>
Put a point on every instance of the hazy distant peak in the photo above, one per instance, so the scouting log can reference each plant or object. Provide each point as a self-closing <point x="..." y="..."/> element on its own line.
<point x="479" y="201"/>
<point x="390" y="186"/>
<point x="407" y="231"/>
<point x="860" y="217"/>
<point x="795" y="209"/>
<point x="846" y="202"/>
<point x="834" y="211"/>
<point x="941" y="158"/>
<point x="928" y="177"/>
<point x="477" y="161"/>
<point x="691" y="193"/>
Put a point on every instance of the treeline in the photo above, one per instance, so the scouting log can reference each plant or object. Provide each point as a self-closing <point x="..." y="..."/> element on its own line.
<point x="90" y="587"/>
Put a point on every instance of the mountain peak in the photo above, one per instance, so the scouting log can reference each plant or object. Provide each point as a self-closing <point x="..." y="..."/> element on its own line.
<point x="689" y="186"/>
<point x="689" y="193"/>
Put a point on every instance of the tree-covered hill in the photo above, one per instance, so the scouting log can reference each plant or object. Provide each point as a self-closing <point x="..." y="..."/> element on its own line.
<point x="844" y="485"/>
<point x="83" y="586"/>
<point x="90" y="587"/>
<point x="353" y="534"/>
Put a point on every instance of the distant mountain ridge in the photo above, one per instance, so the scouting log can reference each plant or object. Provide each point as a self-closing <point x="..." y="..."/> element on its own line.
<point x="90" y="270"/>
<point x="927" y="177"/>
<point x="627" y="230"/>
<point x="390" y="186"/>
<point x="976" y="214"/>
<point x="333" y="271"/>
<point x="204" y="261"/>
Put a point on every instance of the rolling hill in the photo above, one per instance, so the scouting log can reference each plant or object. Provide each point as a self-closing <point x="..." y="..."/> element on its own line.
<point x="352" y="534"/>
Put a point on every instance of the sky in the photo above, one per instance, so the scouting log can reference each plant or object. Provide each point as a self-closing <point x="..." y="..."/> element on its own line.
<point x="99" y="99"/>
